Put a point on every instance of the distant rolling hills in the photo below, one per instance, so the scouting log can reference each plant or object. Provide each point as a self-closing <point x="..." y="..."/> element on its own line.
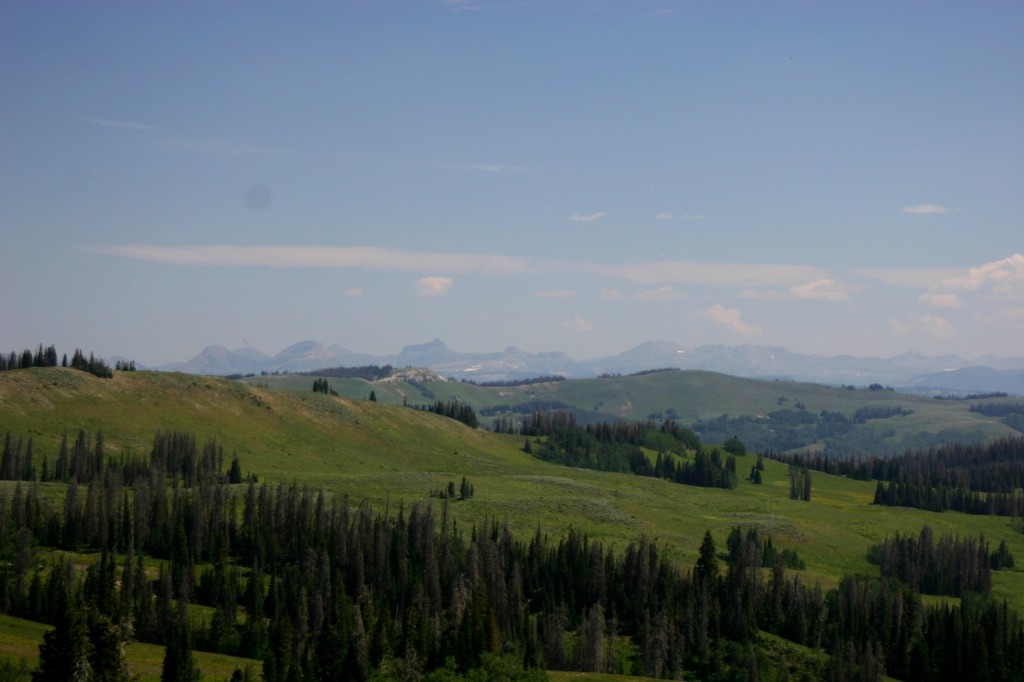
<point x="776" y="414"/>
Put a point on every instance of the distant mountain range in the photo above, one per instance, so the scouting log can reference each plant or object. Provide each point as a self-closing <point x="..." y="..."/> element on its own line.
<point x="945" y="374"/>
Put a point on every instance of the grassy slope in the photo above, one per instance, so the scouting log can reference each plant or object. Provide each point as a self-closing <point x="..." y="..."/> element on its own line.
<point x="694" y="395"/>
<point x="388" y="453"/>
<point x="20" y="638"/>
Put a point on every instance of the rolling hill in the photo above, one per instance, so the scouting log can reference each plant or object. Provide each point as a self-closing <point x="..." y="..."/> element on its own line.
<point x="777" y="414"/>
<point x="393" y="455"/>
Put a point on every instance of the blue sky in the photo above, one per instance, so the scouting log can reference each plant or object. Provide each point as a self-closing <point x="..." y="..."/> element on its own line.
<point x="566" y="175"/>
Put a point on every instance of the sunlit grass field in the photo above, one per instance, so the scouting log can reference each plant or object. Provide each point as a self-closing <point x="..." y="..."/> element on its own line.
<point x="394" y="457"/>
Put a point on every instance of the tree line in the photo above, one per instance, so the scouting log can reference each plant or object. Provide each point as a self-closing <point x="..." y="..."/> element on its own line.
<point x="946" y="565"/>
<point x="453" y="409"/>
<point x="974" y="478"/>
<point x="367" y="372"/>
<point x="47" y="357"/>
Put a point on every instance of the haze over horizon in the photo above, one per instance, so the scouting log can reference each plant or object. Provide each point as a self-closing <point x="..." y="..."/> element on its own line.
<point x="579" y="177"/>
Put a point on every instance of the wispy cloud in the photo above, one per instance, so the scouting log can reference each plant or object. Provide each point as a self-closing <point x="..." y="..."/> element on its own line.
<point x="555" y="293"/>
<point x="668" y="215"/>
<point x="433" y="286"/>
<point x="737" y="275"/>
<point x="578" y="324"/>
<point x="366" y="257"/>
<point x="821" y="290"/>
<point x="915" y="278"/>
<point x="730" y="319"/>
<point x="354" y="293"/>
<point x="586" y="217"/>
<point x="925" y="209"/>
<point x="941" y="300"/>
<point x="665" y="293"/>
<point x="124" y="125"/>
<point x="662" y="277"/>
<point x="824" y="289"/>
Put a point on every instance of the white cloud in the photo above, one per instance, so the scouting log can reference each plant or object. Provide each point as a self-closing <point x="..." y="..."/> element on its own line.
<point x="941" y="300"/>
<point x="578" y="324"/>
<point x="354" y="293"/>
<point x="665" y="293"/>
<point x="816" y="290"/>
<point x="925" y="209"/>
<point x="586" y="217"/>
<point x="729" y="318"/>
<point x="1004" y="278"/>
<point x="368" y="257"/>
<point x="665" y="215"/>
<point x="433" y="286"/>
<point x="824" y="289"/>
<point x="555" y="293"/>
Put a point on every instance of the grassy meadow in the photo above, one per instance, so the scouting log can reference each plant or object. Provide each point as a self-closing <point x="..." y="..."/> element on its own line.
<point x="394" y="456"/>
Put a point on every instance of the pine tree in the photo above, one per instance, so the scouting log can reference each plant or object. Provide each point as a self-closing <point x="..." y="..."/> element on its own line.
<point x="179" y="666"/>
<point x="65" y="651"/>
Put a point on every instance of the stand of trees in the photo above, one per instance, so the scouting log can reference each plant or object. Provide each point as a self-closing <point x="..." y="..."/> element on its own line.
<point x="47" y="357"/>
<point x="367" y="372"/>
<point x="799" y="483"/>
<point x="326" y="590"/>
<point x="620" y="447"/>
<point x="453" y="409"/>
<point x="975" y="478"/>
<point x="946" y="565"/>
<point x="321" y="386"/>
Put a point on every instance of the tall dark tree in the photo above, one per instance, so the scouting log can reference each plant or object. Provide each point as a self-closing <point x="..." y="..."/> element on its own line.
<point x="179" y="665"/>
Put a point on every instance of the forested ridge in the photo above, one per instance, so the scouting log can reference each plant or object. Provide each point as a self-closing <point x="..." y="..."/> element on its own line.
<point x="322" y="589"/>
<point x="620" y="446"/>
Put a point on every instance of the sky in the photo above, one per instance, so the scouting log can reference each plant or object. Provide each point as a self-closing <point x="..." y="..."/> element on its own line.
<point x="570" y="175"/>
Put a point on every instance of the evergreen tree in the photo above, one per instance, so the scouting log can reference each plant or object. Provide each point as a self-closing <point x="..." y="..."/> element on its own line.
<point x="179" y="666"/>
<point x="65" y="650"/>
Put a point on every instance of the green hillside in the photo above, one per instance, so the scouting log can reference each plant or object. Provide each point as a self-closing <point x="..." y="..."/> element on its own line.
<point x="389" y="454"/>
<point x="764" y="413"/>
